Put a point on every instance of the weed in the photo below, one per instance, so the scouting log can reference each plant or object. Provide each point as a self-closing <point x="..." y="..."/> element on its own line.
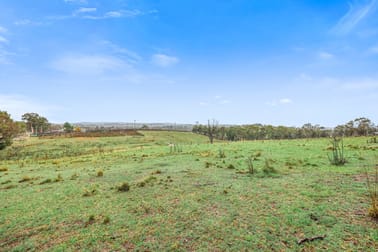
<point x="124" y="187"/>
<point x="221" y="153"/>
<point x="250" y="165"/>
<point x="372" y="187"/>
<point x="337" y="157"/>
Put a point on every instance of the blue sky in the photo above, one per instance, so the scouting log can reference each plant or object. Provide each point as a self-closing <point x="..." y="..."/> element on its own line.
<point x="280" y="62"/>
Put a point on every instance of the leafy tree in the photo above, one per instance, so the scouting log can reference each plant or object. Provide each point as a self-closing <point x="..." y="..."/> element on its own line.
<point x="35" y="123"/>
<point x="8" y="129"/>
<point x="68" y="127"/>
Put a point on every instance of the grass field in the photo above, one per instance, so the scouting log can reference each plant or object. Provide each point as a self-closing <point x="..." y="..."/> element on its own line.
<point x="66" y="195"/>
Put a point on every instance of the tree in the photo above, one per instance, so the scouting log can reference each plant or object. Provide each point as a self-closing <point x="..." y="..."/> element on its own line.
<point x="212" y="130"/>
<point x="68" y="127"/>
<point x="8" y="129"/>
<point x="35" y="123"/>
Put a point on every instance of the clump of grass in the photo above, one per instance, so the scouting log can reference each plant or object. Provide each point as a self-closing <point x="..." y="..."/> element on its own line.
<point x="59" y="178"/>
<point x="74" y="176"/>
<point x="6" y="182"/>
<point x="3" y="169"/>
<point x="221" y="153"/>
<point x="372" y="186"/>
<point x="230" y="166"/>
<point x="90" y="191"/>
<point x="156" y="172"/>
<point x="124" y="187"/>
<point x="106" y="220"/>
<point x="146" y="181"/>
<point x="208" y="164"/>
<point x="175" y="148"/>
<point x="337" y="157"/>
<point x="25" y="179"/>
<point x="100" y="173"/>
<point x="268" y="167"/>
<point x="46" y="181"/>
<point x="91" y="220"/>
<point x="251" y="169"/>
<point x="10" y="186"/>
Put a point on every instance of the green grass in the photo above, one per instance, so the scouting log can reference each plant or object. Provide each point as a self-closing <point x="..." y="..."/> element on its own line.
<point x="192" y="200"/>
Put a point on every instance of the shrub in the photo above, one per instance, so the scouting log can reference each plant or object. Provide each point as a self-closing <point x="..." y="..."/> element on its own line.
<point x="124" y="187"/>
<point x="337" y="157"/>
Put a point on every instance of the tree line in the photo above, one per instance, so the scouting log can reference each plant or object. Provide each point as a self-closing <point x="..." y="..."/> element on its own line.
<point x="357" y="127"/>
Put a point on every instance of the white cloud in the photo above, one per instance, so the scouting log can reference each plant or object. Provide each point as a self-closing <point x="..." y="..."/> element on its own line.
<point x="356" y="14"/>
<point x="163" y="60"/>
<point x="88" y="64"/>
<point x="3" y="40"/>
<point x="282" y="101"/>
<point x="325" y="55"/>
<point x="76" y="1"/>
<point x="85" y="10"/>
<point x="17" y="105"/>
<point x="203" y="103"/>
<point x="285" y="101"/>
<point x="113" y="14"/>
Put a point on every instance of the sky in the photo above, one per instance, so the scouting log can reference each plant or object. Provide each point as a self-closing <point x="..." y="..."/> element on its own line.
<point x="279" y="62"/>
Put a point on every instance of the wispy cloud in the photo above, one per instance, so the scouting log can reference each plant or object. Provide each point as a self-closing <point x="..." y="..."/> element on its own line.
<point x="356" y="14"/>
<point x="76" y="1"/>
<point x="132" y="57"/>
<point x="17" y="105"/>
<point x="325" y="55"/>
<point x="92" y="13"/>
<point x="3" y="30"/>
<point x="85" y="10"/>
<point x="164" y="61"/>
<point x="88" y="64"/>
<point x="3" y="40"/>
<point x="362" y="84"/>
<point x="373" y="50"/>
<point x="285" y="101"/>
<point x="22" y="22"/>
<point x="282" y="101"/>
